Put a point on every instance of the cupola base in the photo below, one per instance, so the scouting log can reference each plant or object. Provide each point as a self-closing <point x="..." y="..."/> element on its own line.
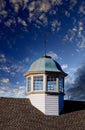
<point x="47" y="103"/>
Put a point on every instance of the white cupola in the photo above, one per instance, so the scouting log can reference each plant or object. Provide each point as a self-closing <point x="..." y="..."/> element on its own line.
<point x="45" y="85"/>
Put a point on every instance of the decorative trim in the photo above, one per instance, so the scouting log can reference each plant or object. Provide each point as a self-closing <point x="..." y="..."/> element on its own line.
<point x="45" y="92"/>
<point x="46" y="72"/>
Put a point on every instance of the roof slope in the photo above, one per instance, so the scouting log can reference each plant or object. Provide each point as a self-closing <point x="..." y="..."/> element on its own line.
<point x="19" y="114"/>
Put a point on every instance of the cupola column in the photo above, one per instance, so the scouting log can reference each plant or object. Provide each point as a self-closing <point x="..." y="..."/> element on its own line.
<point x="57" y="88"/>
<point x="32" y="83"/>
<point x="26" y="84"/>
<point x="45" y="82"/>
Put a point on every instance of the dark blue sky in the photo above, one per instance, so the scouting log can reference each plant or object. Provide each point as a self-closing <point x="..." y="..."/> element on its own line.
<point x="22" y="27"/>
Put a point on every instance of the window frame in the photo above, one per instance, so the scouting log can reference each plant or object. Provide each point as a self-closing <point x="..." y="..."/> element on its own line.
<point x="29" y="84"/>
<point x="38" y="81"/>
<point x="61" y="88"/>
<point x="50" y="80"/>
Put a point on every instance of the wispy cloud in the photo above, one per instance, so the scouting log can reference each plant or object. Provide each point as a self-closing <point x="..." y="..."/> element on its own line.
<point x="21" y="21"/>
<point x="67" y="13"/>
<point x="5" y="80"/>
<point x="82" y="8"/>
<point x="76" y="34"/>
<point x="10" y="22"/>
<point x="68" y="80"/>
<point x="55" y="25"/>
<point x="2" y="4"/>
<point x="2" y="58"/>
<point x="72" y="4"/>
<point x="5" y="69"/>
<point x="81" y="45"/>
<point x="35" y="11"/>
<point x="18" y="92"/>
<point x="43" y="19"/>
<point x="56" y="2"/>
<point x="12" y="67"/>
<point x="64" y="66"/>
<point x="53" y="55"/>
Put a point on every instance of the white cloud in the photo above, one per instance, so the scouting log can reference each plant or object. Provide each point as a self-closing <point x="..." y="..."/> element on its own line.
<point x="64" y="66"/>
<point x="2" y="58"/>
<point x="31" y="6"/>
<point x="17" y="92"/>
<point x="55" y="25"/>
<point x="53" y="12"/>
<point x="67" y="13"/>
<point x="13" y="69"/>
<point x="45" y="6"/>
<point x="68" y="79"/>
<point x="23" y="22"/>
<point x="17" y="83"/>
<point x="82" y="8"/>
<point x="9" y="22"/>
<point x="16" y="4"/>
<point x="56" y="2"/>
<point x="16" y="68"/>
<point x="6" y="69"/>
<point x="2" y="4"/>
<point x="37" y="13"/>
<point x="76" y="34"/>
<point x="81" y="45"/>
<point x="72" y="4"/>
<point x="27" y="59"/>
<point x="16" y="1"/>
<point x="5" y="80"/>
<point x="16" y="8"/>
<point x="70" y="35"/>
<point x="25" y="3"/>
<point x="53" y="55"/>
<point x="4" y="13"/>
<point x="43" y="19"/>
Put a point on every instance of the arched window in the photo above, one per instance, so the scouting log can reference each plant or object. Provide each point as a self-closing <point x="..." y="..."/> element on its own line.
<point x="38" y="82"/>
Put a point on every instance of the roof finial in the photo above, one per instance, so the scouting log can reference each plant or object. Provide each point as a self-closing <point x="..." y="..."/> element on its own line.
<point x="45" y="36"/>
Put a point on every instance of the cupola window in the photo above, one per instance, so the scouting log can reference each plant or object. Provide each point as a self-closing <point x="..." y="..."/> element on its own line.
<point x="38" y="82"/>
<point x="51" y="83"/>
<point x="61" y="84"/>
<point x="29" y="84"/>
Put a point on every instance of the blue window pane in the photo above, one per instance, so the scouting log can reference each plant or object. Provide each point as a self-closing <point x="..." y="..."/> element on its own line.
<point x="51" y="83"/>
<point x="61" y="84"/>
<point x="29" y="84"/>
<point x="38" y="82"/>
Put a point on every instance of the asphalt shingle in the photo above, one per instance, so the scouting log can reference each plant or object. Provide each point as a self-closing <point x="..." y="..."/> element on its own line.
<point x="19" y="114"/>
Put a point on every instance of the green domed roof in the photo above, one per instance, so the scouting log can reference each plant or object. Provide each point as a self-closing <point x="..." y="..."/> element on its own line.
<point x="45" y="64"/>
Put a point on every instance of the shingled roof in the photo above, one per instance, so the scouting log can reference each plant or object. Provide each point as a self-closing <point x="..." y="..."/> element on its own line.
<point x="19" y="114"/>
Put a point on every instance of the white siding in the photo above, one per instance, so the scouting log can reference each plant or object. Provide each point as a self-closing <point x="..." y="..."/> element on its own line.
<point x="38" y="100"/>
<point x="51" y="105"/>
<point x="48" y="104"/>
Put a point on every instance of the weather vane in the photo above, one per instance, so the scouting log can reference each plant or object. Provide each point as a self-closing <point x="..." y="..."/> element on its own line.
<point x="45" y="36"/>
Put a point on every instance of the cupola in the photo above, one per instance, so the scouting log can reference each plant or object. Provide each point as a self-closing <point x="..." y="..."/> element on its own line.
<point x="45" y="85"/>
